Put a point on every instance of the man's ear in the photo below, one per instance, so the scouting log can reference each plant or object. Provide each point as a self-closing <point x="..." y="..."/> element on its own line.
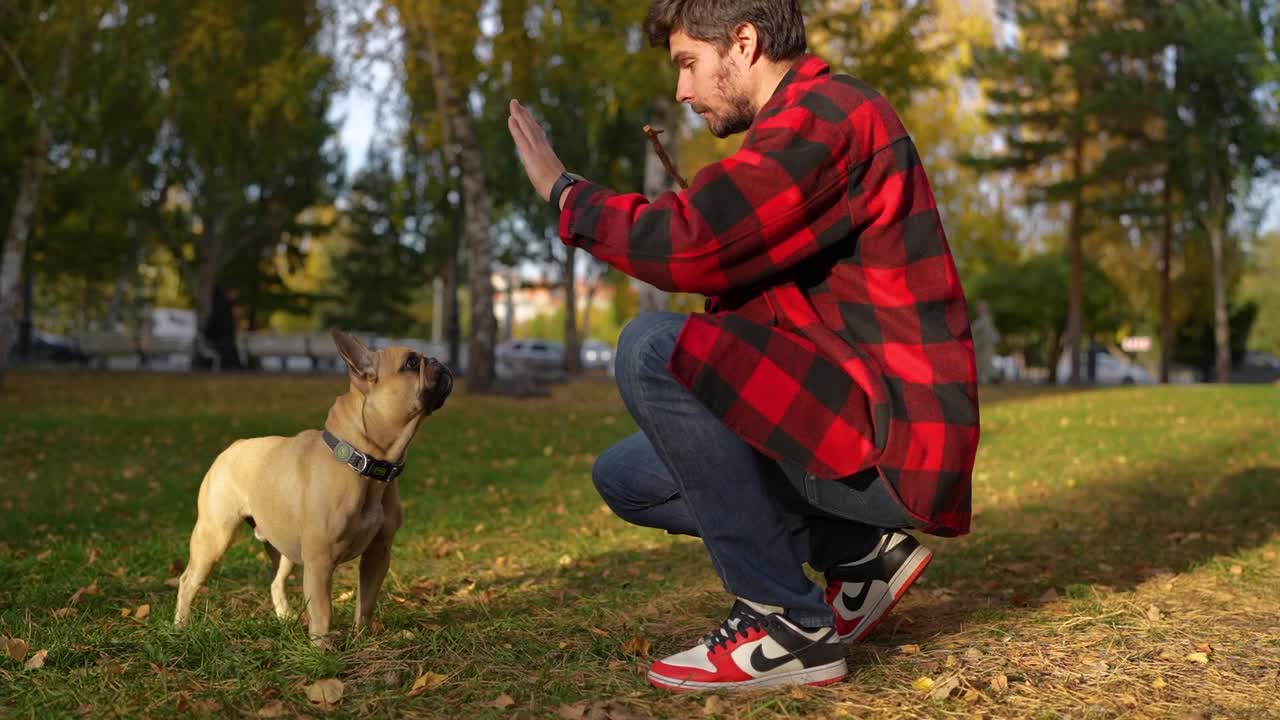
<point x="745" y="41"/>
<point x="362" y="365"/>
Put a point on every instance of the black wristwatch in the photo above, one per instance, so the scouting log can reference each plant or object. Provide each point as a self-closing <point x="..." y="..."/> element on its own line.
<point x="564" y="181"/>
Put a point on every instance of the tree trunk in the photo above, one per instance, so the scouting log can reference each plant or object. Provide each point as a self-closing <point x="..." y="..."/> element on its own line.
<point x="509" y="327"/>
<point x="208" y="266"/>
<point x="26" y="327"/>
<point x="657" y="181"/>
<point x="1055" y="352"/>
<point x="15" y="244"/>
<point x="24" y="209"/>
<point x="453" y="277"/>
<point x="462" y="147"/>
<point x="1166" y="281"/>
<point x="592" y="286"/>
<point x="572" y="345"/>
<point x="124" y="278"/>
<point x="1217" y="244"/>
<point x="1075" y="248"/>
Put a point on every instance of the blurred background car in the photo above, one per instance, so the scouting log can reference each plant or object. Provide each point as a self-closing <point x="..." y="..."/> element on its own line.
<point x="1104" y="369"/>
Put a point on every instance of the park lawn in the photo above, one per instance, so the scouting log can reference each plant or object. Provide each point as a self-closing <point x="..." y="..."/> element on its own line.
<point x="1124" y="562"/>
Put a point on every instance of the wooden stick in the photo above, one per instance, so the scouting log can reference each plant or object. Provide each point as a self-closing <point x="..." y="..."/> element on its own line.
<point x="652" y="134"/>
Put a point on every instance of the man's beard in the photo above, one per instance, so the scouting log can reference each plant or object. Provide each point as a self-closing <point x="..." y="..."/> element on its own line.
<point x="740" y="114"/>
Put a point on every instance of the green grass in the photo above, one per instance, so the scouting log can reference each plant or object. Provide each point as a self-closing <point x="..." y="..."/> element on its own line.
<point x="510" y="577"/>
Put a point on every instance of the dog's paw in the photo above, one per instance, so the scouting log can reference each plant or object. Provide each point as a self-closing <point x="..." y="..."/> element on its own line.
<point x="323" y="642"/>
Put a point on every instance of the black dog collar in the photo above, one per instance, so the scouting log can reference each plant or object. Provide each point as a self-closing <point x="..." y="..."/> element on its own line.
<point x="379" y="470"/>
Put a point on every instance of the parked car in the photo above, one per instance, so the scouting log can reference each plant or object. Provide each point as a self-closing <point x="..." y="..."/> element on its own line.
<point x="1108" y="369"/>
<point x="50" y="348"/>
<point x="542" y="359"/>
<point x="1262" y="360"/>
<point x="596" y="354"/>
<point x="1257" y="367"/>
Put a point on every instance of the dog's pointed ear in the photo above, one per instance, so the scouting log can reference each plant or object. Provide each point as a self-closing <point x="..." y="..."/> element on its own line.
<point x="362" y="364"/>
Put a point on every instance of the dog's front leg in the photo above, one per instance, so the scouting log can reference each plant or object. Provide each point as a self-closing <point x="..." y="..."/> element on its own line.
<point x="317" y="585"/>
<point x="373" y="569"/>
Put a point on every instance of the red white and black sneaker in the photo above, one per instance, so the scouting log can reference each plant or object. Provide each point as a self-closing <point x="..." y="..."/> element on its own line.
<point x="862" y="592"/>
<point x="755" y="647"/>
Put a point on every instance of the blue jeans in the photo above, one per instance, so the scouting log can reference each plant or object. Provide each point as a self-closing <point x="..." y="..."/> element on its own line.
<point x="687" y="473"/>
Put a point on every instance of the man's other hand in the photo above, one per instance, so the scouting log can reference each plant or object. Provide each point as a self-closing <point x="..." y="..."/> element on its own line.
<point x="540" y="162"/>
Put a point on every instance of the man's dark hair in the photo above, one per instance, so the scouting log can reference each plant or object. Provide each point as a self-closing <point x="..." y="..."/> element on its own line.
<point x="779" y="23"/>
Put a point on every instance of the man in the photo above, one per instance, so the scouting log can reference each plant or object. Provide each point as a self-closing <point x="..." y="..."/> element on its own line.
<point x="985" y="337"/>
<point x="826" y="400"/>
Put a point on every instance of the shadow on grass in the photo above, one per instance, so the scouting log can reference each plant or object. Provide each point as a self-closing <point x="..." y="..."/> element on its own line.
<point x="1116" y="533"/>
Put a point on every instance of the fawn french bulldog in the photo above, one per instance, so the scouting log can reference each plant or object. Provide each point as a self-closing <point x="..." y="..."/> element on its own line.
<point x="322" y="498"/>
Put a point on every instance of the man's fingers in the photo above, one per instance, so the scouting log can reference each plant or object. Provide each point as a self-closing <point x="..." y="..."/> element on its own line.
<point x="532" y="129"/>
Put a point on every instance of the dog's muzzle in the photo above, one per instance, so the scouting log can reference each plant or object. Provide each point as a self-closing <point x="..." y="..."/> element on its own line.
<point x="439" y="385"/>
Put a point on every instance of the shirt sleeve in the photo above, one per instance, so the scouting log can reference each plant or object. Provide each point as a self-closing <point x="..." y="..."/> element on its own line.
<point x="782" y="198"/>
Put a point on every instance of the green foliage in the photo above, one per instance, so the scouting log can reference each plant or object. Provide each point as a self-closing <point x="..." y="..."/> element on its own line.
<point x="381" y="272"/>
<point x="1028" y="300"/>
<point x="1262" y="288"/>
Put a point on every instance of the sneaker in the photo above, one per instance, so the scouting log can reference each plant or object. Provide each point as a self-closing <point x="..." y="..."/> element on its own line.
<point x="862" y="592"/>
<point x="755" y="647"/>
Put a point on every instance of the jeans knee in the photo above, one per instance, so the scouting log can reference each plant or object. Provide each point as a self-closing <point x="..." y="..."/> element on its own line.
<point x="644" y="347"/>
<point x="604" y="473"/>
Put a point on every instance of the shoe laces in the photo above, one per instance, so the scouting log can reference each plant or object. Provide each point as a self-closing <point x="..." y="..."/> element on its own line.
<point x="742" y="619"/>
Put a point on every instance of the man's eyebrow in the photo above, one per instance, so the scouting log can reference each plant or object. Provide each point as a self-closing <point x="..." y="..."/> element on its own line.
<point x="680" y="57"/>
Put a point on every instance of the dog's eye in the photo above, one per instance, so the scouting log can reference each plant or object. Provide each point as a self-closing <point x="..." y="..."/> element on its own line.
<point x="411" y="363"/>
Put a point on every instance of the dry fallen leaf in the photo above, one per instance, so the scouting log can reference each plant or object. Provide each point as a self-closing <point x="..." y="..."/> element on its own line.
<point x="971" y="695"/>
<point x="343" y="597"/>
<point x="1237" y="570"/>
<point x="1153" y="613"/>
<point x="973" y="654"/>
<point x="942" y="690"/>
<point x="17" y="649"/>
<point x="426" y="682"/>
<point x="36" y="661"/>
<point x="1159" y="683"/>
<point x="1000" y="683"/>
<point x="63" y="612"/>
<point x="598" y="631"/>
<point x="44" y="555"/>
<point x="1049" y="595"/>
<point x="1198" y="657"/>
<point x="1203" y="647"/>
<point x="637" y="646"/>
<point x="923" y="684"/>
<point x="714" y="705"/>
<point x="908" y="649"/>
<point x="502" y="702"/>
<point x="91" y="589"/>
<point x="273" y="709"/>
<point x="142" y="612"/>
<point x="325" y="692"/>
<point x="577" y="711"/>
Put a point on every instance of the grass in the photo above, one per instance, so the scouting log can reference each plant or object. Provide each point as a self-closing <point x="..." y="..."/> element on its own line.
<point x="1124" y="562"/>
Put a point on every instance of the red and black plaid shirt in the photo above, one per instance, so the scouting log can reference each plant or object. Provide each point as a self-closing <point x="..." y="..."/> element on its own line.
<point x="838" y="334"/>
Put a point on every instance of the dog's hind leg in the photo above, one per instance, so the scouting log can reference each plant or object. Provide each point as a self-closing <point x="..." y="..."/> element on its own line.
<point x="216" y="523"/>
<point x="281" y="566"/>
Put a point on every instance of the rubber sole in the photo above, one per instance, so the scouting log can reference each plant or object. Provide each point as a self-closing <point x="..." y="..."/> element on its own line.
<point x="821" y="675"/>
<point x="898" y="584"/>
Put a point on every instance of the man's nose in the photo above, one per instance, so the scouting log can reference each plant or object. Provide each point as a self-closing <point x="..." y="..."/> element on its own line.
<point x="684" y="90"/>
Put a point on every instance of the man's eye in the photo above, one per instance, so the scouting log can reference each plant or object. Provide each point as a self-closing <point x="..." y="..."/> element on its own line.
<point x="411" y="363"/>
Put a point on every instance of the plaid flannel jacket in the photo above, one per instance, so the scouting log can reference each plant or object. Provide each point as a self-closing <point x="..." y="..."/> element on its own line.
<point x="836" y="334"/>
